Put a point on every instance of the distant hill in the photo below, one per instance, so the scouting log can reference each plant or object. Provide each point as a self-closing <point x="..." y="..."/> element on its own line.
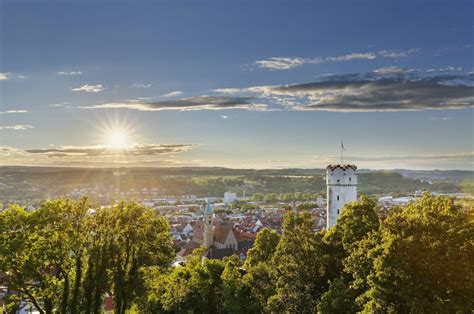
<point x="42" y="182"/>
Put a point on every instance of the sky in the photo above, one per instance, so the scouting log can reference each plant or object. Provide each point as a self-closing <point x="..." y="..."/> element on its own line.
<point x="241" y="84"/>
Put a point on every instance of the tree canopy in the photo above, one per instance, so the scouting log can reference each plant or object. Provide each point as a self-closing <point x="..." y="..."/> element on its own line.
<point x="67" y="255"/>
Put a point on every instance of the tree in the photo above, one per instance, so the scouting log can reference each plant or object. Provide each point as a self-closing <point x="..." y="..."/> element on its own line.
<point x="299" y="266"/>
<point x="356" y="222"/>
<point x="236" y="294"/>
<point x="270" y="198"/>
<point x="40" y="253"/>
<point x="63" y="257"/>
<point x="263" y="248"/>
<point x="139" y="238"/>
<point x="288" y="197"/>
<point x="422" y="260"/>
<point x="258" y="197"/>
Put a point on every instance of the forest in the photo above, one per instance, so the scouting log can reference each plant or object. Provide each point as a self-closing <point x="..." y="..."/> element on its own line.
<point x="67" y="255"/>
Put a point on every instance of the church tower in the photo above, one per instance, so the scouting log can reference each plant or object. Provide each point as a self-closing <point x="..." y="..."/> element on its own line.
<point x="341" y="181"/>
<point x="208" y="232"/>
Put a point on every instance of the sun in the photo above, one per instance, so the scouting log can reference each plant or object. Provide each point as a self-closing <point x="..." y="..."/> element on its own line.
<point x="117" y="139"/>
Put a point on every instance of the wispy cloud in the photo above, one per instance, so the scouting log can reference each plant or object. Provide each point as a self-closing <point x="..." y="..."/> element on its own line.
<point x="88" y="88"/>
<point x="391" y="70"/>
<point x="226" y="90"/>
<point x="4" y="76"/>
<point x="13" y="111"/>
<point x="441" y="118"/>
<point x="446" y="69"/>
<point x="70" y="73"/>
<point x="16" y="127"/>
<point x="141" y="85"/>
<point x="172" y="94"/>
<point x="225" y="117"/>
<point x="285" y="63"/>
<point x="423" y="161"/>
<point x="64" y="104"/>
<point x="185" y="104"/>
<point x="397" y="54"/>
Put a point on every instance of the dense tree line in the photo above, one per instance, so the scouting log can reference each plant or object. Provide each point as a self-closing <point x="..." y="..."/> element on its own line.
<point x="419" y="258"/>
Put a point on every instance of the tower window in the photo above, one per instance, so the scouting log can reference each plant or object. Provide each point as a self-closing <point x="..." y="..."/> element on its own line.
<point x="338" y="197"/>
<point x="338" y="211"/>
<point x="338" y="180"/>
<point x="350" y="179"/>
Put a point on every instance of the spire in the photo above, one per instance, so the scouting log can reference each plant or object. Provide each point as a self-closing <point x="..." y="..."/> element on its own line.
<point x="208" y="209"/>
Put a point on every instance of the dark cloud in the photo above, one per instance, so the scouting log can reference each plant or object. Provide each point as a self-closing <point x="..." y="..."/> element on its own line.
<point x="92" y="151"/>
<point x="193" y="103"/>
<point x="371" y="92"/>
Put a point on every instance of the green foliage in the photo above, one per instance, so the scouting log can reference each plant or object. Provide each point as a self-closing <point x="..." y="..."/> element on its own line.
<point x="418" y="258"/>
<point x="263" y="248"/>
<point x="271" y="198"/>
<point x="299" y="266"/>
<point x="63" y="258"/>
<point x="258" y="197"/>
<point x="423" y="260"/>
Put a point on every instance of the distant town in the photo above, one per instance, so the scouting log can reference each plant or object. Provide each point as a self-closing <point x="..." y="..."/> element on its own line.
<point x="241" y="202"/>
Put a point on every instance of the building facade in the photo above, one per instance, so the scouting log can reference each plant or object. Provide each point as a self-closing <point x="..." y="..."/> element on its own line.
<point x="341" y="182"/>
<point x="229" y="197"/>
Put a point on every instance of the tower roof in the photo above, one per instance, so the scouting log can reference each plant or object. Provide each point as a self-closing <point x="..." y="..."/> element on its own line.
<point x="343" y="167"/>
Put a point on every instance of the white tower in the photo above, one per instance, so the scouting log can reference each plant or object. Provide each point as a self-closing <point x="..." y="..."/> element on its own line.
<point x="341" y="181"/>
<point x="208" y="232"/>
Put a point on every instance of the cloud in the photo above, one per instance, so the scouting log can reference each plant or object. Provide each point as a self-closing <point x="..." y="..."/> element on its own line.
<point x="446" y="69"/>
<point x="64" y="104"/>
<point x="172" y="94"/>
<point x="13" y="111"/>
<point x="16" y="127"/>
<point x="286" y="63"/>
<point x="70" y="73"/>
<point x="225" y="117"/>
<point x="4" y="76"/>
<point x="441" y="118"/>
<point x="88" y="88"/>
<point x="391" y="70"/>
<point x="353" y="56"/>
<point x="425" y="161"/>
<point x="226" y="90"/>
<point x="99" y="150"/>
<point x="21" y="76"/>
<point x="368" y="92"/>
<point x="96" y="155"/>
<point x="184" y="104"/>
<point x="397" y="54"/>
<point x="427" y="157"/>
<point x="282" y="63"/>
<point x="141" y="85"/>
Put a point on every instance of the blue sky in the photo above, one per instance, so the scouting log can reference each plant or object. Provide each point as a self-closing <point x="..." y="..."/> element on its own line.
<point x="243" y="84"/>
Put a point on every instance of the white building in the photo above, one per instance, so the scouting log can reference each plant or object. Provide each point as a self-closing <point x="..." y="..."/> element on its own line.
<point x="341" y="181"/>
<point x="229" y="197"/>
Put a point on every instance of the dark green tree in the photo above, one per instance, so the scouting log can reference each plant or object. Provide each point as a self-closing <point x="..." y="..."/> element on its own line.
<point x="422" y="260"/>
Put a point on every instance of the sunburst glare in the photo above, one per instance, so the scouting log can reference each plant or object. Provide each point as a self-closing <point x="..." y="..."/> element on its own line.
<point x="117" y="139"/>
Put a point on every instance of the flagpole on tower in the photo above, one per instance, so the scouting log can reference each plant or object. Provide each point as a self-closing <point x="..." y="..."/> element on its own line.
<point x="342" y="152"/>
